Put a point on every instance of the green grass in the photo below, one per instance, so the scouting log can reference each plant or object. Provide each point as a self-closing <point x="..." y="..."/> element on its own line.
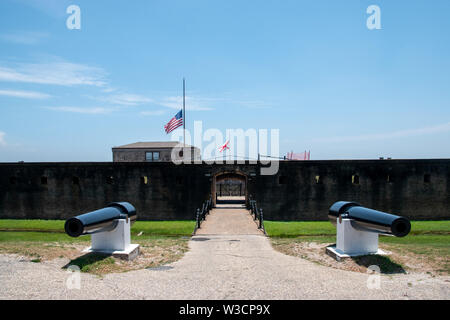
<point x="185" y="228"/>
<point x="92" y="262"/>
<point x="161" y="242"/>
<point x="163" y="228"/>
<point x="28" y="236"/>
<point x="427" y="239"/>
<point x="431" y="232"/>
<point x="294" y="229"/>
<point x="20" y="236"/>
<point x="30" y="225"/>
<point x="29" y="228"/>
<point x="424" y="235"/>
<point x="298" y="228"/>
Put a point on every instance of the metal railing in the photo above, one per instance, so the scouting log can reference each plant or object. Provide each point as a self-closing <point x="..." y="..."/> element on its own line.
<point x="200" y="215"/>
<point x="257" y="214"/>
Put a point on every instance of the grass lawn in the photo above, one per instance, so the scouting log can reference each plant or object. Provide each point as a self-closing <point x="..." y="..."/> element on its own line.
<point x="323" y="228"/>
<point x="426" y="248"/>
<point x="161" y="242"/>
<point x="148" y="228"/>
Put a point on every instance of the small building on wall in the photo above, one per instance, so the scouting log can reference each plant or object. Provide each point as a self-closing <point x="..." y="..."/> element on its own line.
<point x="155" y="152"/>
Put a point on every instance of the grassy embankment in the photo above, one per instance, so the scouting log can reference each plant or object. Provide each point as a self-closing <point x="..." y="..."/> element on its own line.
<point x="425" y="249"/>
<point x="161" y="242"/>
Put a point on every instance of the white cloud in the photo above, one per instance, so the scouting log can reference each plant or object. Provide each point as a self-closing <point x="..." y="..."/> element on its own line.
<point x="95" y="110"/>
<point x="153" y="113"/>
<point x="126" y="99"/>
<point x="54" y="8"/>
<point x="28" y="38"/>
<point x="445" y="127"/>
<point x="56" y="73"/>
<point x="192" y="103"/>
<point x="2" y="139"/>
<point x="24" y="94"/>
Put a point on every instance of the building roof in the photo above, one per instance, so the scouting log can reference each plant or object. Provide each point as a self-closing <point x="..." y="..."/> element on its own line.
<point x="151" y="145"/>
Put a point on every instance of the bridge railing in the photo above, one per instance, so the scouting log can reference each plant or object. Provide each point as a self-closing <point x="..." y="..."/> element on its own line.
<point x="200" y="215"/>
<point x="257" y="214"/>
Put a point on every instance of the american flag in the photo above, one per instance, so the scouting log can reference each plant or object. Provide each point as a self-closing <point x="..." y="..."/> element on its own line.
<point x="175" y="122"/>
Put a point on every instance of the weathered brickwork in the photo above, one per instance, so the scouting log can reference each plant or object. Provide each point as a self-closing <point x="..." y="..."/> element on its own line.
<point x="302" y="190"/>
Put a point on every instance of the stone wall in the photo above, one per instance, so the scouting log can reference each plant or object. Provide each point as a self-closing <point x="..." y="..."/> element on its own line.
<point x="302" y="190"/>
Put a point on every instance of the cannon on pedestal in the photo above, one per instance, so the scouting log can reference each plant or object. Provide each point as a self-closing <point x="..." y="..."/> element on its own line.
<point x="358" y="229"/>
<point x="109" y="228"/>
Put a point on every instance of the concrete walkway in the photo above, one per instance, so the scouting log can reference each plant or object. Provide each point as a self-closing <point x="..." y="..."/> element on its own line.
<point x="236" y="262"/>
<point x="227" y="221"/>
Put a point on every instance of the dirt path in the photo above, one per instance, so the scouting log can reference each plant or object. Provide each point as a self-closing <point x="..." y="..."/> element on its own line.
<point x="237" y="262"/>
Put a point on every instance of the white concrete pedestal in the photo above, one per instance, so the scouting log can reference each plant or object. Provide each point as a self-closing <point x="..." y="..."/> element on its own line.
<point x="115" y="242"/>
<point x="351" y="242"/>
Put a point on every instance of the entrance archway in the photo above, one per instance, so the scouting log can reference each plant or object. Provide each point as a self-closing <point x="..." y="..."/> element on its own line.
<point x="229" y="187"/>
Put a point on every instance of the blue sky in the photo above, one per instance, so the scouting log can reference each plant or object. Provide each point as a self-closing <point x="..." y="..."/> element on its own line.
<point x="309" y="68"/>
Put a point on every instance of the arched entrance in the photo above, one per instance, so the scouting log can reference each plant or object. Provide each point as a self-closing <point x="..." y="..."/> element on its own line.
<point x="229" y="187"/>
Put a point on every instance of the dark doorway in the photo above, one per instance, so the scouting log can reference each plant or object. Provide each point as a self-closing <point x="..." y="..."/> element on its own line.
<point x="229" y="188"/>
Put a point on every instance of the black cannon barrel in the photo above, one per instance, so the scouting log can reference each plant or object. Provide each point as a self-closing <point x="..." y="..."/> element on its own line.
<point x="100" y="220"/>
<point x="369" y="220"/>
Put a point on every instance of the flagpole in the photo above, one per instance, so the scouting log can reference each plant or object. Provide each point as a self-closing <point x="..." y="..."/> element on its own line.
<point x="184" y="114"/>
